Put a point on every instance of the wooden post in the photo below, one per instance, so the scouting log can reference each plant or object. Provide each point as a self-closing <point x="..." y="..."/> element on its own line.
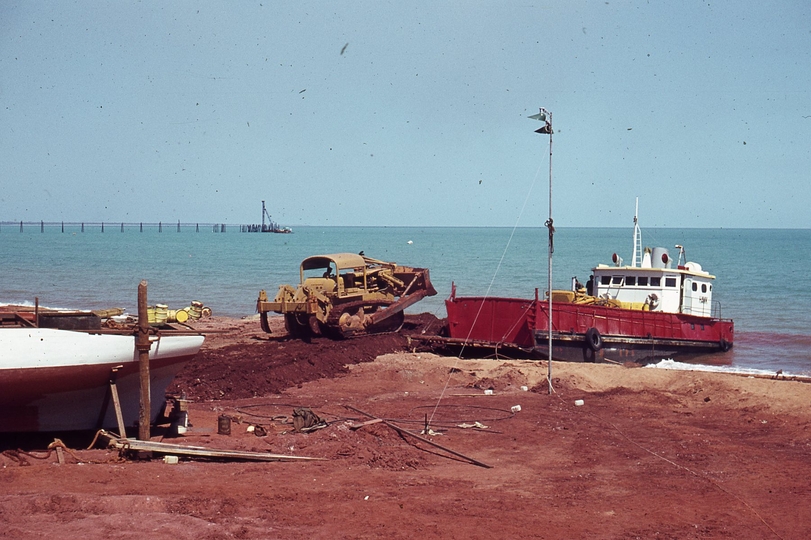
<point x="143" y="345"/>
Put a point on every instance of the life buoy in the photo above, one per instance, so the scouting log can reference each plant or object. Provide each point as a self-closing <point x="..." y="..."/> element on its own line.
<point x="593" y="339"/>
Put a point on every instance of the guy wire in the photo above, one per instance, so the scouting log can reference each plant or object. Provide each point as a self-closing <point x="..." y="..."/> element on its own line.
<point x="487" y="292"/>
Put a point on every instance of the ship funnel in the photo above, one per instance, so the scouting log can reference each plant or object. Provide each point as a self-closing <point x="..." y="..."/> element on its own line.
<point x="660" y="258"/>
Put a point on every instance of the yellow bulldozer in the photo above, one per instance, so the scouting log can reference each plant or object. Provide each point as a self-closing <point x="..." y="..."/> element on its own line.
<point x="344" y="294"/>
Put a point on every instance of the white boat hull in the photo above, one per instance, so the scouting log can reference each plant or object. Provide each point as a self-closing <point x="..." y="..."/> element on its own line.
<point x="58" y="380"/>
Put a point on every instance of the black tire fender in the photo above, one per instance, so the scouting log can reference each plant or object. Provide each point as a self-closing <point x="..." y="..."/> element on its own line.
<point x="594" y="340"/>
<point x="725" y="345"/>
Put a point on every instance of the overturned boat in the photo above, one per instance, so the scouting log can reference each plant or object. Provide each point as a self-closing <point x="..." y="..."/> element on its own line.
<point x="642" y="312"/>
<point x="55" y="379"/>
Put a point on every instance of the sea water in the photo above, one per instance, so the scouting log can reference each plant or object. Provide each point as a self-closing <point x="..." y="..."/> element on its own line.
<point x="760" y="273"/>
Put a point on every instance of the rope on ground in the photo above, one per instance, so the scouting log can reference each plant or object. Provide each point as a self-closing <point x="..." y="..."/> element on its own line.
<point x="682" y="467"/>
<point x="19" y="455"/>
<point x="489" y="288"/>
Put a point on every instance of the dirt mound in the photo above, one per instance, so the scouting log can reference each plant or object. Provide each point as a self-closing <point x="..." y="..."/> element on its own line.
<point x="269" y="363"/>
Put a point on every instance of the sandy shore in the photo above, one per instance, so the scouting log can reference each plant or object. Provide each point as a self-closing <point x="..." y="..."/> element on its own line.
<point x="649" y="454"/>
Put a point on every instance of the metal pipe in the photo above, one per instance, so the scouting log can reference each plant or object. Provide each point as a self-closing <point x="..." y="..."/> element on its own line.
<point x="551" y="250"/>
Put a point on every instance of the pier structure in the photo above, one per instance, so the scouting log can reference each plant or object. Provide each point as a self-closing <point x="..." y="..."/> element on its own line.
<point x="103" y="226"/>
<point x="268" y="225"/>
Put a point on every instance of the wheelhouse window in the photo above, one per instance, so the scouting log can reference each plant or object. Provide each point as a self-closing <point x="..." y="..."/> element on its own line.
<point x="605" y="280"/>
<point x="695" y="286"/>
<point x="616" y="280"/>
<point x="703" y="287"/>
<point x="670" y="282"/>
<point x="630" y="280"/>
<point x="655" y="282"/>
<point x="642" y="281"/>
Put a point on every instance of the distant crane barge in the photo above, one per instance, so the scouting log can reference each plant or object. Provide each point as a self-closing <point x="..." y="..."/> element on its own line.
<point x="271" y="226"/>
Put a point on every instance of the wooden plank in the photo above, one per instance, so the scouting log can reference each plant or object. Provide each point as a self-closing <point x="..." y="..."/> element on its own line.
<point x="367" y="423"/>
<point x="198" y="451"/>
<point x="122" y="430"/>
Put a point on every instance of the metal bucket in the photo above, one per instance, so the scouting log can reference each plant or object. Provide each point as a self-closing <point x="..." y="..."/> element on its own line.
<point x="196" y="310"/>
<point x="224" y="425"/>
<point x="161" y="314"/>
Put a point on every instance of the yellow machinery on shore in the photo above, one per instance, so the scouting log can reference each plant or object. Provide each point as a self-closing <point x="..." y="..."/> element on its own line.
<point x="343" y="294"/>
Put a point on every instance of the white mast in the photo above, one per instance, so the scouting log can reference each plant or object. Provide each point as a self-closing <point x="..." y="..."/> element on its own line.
<point x="636" y="260"/>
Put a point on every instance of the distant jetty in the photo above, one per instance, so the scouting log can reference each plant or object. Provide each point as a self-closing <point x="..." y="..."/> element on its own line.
<point x="80" y="226"/>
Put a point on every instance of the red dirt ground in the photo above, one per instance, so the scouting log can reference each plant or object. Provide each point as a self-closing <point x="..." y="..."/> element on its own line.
<point x="650" y="453"/>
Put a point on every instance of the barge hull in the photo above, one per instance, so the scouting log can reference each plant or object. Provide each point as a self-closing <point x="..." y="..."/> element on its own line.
<point x="584" y="332"/>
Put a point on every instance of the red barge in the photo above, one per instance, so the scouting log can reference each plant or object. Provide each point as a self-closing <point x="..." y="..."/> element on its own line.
<point x="643" y="312"/>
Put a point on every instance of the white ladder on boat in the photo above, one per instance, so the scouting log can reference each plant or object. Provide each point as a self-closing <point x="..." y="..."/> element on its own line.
<point x="636" y="260"/>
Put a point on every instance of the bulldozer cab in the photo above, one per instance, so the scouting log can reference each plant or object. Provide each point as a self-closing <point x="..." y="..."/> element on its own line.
<point x="319" y="274"/>
<point x="343" y="274"/>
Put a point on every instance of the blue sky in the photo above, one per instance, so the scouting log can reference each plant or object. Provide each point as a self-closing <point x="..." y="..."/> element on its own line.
<point x="406" y="113"/>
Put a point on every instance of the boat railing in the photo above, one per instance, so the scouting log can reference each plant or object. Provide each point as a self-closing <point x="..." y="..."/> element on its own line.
<point x="716" y="309"/>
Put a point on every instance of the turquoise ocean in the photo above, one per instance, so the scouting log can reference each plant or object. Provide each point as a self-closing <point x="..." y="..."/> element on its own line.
<point x="759" y="272"/>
